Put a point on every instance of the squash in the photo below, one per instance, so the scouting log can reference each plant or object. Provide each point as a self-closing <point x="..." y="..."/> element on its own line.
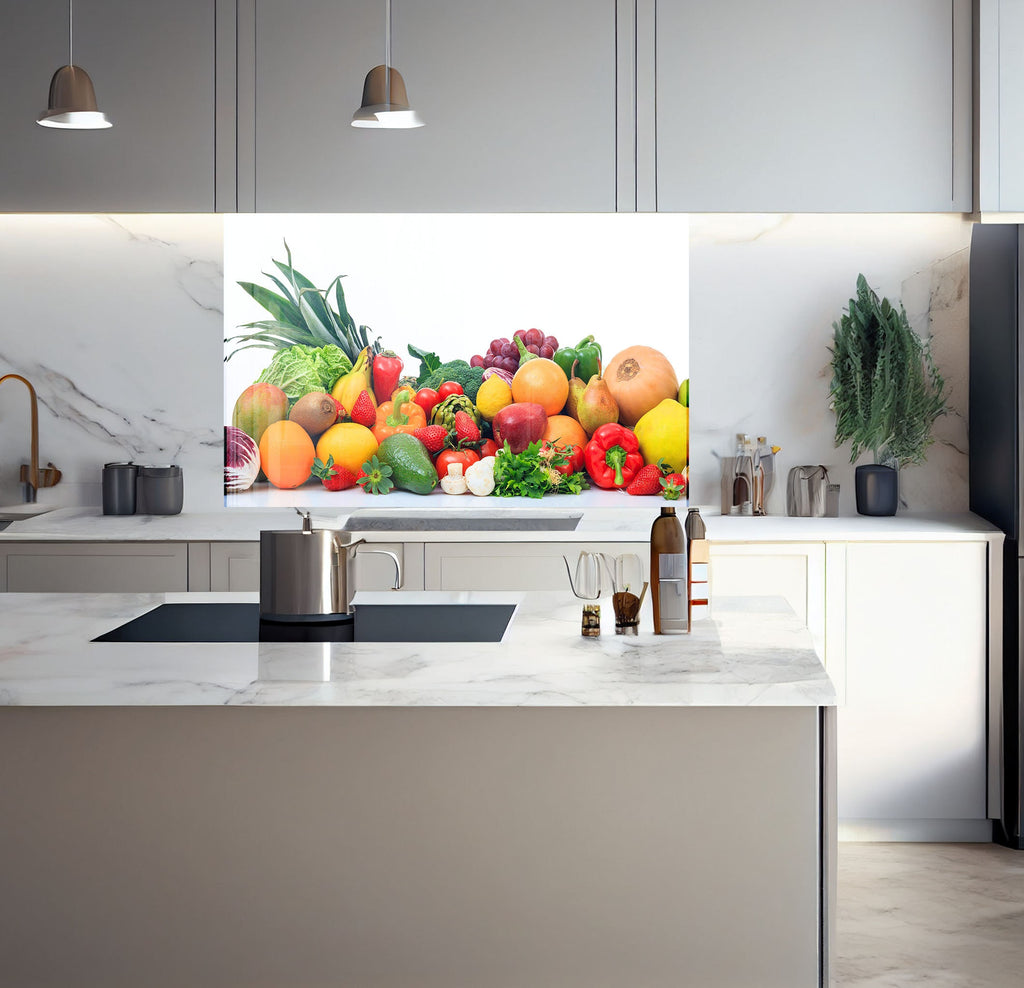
<point x="639" y="379"/>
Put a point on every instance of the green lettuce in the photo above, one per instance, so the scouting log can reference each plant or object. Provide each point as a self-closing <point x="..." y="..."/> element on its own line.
<point x="297" y="370"/>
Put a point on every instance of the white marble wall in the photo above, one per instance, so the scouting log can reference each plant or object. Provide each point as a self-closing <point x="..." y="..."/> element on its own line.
<point x="764" y="292"/>
<point x="117" y="321"/>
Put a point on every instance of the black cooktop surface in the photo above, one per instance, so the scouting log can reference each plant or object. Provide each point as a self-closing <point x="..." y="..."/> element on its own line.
<point x="240" y="622"/>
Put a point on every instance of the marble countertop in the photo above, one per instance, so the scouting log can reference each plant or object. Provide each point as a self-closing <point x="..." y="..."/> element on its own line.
<point x="622" y="523"/>
<point x="752" y="652"/>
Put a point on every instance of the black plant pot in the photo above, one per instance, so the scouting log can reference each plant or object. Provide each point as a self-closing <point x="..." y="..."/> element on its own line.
<point x="878" y="489"/>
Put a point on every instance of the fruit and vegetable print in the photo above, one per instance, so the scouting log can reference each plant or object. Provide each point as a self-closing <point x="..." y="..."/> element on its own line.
<point x="533" y="413"/>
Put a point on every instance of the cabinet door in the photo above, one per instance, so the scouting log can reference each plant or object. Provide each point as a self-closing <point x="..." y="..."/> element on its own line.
<point x="513" y="565"/>
<point x="100" y="567"/>
<point x="518" y="101"/>
<point x="795" y="572"/>
<point x="911" y="736"/>
<point x="1000" y="105"/>
<point x="235" y="566"/>
<point x="803" y="106"/>
<point x="153" y="69"/>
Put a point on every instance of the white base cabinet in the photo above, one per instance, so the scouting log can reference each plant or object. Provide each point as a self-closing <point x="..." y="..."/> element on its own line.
<point x="912" y="749"/>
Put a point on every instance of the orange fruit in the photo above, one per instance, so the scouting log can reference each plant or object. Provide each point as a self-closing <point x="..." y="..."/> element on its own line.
<point x="349" y="443"/>
<point x="541" y="381"/>
<point x="286" y="453"/>
<point x="564" y="430"/>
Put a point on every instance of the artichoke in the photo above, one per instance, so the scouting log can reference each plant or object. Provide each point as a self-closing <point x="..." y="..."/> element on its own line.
<point x="444" y="412"/>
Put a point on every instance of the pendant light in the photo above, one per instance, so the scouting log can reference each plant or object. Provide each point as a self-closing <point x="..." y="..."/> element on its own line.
<point x="385" y="103"/>
<point x="72" y="104"/>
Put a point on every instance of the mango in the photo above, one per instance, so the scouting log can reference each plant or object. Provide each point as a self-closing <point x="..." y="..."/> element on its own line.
<point x="664" y="434"/>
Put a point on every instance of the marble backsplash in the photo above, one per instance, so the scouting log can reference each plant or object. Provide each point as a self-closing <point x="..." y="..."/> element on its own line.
<point x="117" y="321"/>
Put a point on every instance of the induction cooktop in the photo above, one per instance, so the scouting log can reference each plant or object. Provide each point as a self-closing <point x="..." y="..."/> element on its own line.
<point x="241" y="622"/>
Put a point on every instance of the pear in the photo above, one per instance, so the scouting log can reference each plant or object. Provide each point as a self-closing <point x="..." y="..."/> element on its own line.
<point x="348" y="387"/>
<point x="596" y="406"/>
<point x="576" y="388"/>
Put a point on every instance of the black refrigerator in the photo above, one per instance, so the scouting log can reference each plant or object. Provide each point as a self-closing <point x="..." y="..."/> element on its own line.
<point x="996" y="417"/>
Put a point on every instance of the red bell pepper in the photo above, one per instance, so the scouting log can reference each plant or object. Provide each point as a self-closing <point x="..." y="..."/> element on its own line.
<point x="387" y="369"/>
<point x="612" y="457"/>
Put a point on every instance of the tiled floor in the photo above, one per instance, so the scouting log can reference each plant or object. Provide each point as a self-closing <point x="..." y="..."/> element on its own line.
<point x="941" y="915"/>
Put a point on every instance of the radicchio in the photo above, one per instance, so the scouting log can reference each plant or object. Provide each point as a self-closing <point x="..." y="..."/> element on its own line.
<point x="241" y="460"/>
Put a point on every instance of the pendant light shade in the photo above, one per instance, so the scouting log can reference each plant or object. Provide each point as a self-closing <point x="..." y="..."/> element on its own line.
<point x="72" y="103"/>
<point x="385" y="102"/>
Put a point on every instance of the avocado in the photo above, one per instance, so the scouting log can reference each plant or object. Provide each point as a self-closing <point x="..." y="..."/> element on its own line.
<point x="411" y="467"/>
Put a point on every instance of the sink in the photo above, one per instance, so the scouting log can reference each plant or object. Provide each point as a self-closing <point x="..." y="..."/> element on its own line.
<point x="18" y="512"/>
<point x="240" y="622"/>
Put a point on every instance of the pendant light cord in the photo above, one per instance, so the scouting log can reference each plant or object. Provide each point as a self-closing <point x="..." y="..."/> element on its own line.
<point x="387" y="52"/>
<point x="71" y="32"/>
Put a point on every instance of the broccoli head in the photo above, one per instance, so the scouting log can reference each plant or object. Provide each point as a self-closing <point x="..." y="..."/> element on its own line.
<point x="459" y="371"/>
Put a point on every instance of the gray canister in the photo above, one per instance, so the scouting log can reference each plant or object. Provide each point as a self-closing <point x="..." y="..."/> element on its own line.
<point x="119" y="481"/>
<point x="161" y="490"/>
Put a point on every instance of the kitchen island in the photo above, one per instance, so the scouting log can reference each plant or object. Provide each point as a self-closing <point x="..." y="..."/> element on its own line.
<point x="543" y="810"/>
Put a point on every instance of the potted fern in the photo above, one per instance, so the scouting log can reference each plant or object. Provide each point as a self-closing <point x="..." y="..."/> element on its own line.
<point x="886" y="393"/>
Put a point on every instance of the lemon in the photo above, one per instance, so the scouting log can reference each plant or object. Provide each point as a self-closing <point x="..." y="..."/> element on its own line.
<point x="664" y="434"/>
<point x="350" y="444"/>
<point x="493" y="396"/>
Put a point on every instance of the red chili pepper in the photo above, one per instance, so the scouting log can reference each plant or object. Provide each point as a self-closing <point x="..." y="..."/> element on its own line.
<point x="612" y="456"/>
<point x="427" y="398"/>
<point x="387" y="369"/>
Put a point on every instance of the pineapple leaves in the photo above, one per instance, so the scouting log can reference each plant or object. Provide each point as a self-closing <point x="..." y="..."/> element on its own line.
<point x="278" y="306"/>
<point x="302" y="313"/>
<point x="886" y="390"/>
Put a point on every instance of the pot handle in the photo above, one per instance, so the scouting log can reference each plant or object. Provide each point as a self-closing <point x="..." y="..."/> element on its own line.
<point x="342" y="547"/>
<point x="398" y="565"/>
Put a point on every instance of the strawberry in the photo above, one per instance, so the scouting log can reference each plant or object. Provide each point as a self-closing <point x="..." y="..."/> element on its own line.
<point x="364" y="411"/>
<point x="466" y="430"/>
<point x="341" y="409"/>
<point x="433" y="437"/>
<point x="673" y="487"/>
<point x="645" y="480"/>
<point x="333" y="475"/>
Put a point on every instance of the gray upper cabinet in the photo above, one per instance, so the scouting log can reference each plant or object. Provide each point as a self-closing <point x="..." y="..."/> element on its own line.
<point x="153" y="69"/>
<point x="519" y="102"/>
<point x="1000" y="106"/>
<point x="804" y="106"/>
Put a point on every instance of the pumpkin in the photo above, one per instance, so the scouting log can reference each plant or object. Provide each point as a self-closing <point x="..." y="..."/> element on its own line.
<point x="542" y="382"/>
<point x="639" y="378"/>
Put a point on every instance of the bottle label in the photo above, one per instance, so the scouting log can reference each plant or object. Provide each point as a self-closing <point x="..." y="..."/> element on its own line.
<point x="672" y="566"/>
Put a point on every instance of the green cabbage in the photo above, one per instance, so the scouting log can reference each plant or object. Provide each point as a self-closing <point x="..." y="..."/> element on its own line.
<point x="297" y="370"/>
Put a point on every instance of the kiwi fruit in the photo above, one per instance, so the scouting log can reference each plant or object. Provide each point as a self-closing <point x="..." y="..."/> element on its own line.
<point x="315" y="412"/>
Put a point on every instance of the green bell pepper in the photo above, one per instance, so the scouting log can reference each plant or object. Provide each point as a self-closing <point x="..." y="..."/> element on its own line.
<point x="586" y="353"/>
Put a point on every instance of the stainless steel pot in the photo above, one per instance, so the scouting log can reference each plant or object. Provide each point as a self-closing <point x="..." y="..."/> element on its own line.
<point x="308" y="573"/>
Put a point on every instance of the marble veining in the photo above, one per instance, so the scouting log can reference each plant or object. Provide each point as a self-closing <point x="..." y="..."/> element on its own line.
<point x="745" y="656"/>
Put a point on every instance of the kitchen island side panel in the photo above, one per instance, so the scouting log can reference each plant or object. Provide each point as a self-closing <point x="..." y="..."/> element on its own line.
<point x="436" y="846"/>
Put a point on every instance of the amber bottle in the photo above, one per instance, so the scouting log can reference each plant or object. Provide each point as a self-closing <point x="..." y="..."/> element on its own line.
<point x="668" y="573"/>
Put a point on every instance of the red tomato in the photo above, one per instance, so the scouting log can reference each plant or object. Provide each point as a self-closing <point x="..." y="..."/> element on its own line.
<point x="488" y="448"/>
<point x="449" y="388"/>
<point x="427" y="398"/>
<point x="575" y="459"/>
<point x="466" y="457"/>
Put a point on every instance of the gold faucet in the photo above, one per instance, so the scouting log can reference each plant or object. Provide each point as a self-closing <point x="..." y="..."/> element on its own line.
<point x="30" y="477"/>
